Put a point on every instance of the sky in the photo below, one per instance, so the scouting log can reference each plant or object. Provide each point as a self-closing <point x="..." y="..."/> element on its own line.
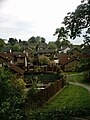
<point x="22" y="19"/>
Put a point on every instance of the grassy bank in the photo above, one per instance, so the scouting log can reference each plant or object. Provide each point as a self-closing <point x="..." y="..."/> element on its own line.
<point x="72" y="101"/>
<point x="71" y="97"/>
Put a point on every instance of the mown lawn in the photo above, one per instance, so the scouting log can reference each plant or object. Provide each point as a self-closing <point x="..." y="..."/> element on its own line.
<point x="76" y="77"/>
<point x="70" y="97"/>
<point x="72" y="102"/>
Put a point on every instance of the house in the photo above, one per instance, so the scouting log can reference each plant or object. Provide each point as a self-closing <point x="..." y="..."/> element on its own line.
<point x="20" y="59"/>
<point x="67" y="62"/>
<point x="71" y="64"/>
<point x="47" y="52"/>
<point x="63" y="49"/>
<point x="5" y="58"/>
<point x="86" y="50"/>
<point x="15" y="69"/>
<point x="74" y="52"/>
<point x="42" y="46"/>
<point x="84" y="56"/>
<point x="15" y="61"/>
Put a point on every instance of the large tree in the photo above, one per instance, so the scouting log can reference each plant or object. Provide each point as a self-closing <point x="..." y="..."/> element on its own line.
<point x="78" y="22"/>
<point x="51" y="45"/>
<point x="12" y="41"/>
<point x="2" y="43"/>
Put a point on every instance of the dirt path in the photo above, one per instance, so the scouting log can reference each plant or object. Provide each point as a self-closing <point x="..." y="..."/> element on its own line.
<point x="80" y="84"/>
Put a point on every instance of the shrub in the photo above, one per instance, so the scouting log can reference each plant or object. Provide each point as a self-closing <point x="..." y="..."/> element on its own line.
<point x="12" y="96"/>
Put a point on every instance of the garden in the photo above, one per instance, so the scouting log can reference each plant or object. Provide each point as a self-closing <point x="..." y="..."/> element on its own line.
<point x="58" y="102"/>
<point x="72" y="102"/>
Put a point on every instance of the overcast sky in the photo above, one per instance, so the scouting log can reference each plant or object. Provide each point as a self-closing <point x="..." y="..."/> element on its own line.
<point x="23" y="19"/>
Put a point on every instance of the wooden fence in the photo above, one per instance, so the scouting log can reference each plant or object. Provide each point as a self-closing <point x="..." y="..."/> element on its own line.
<point x="44" y="95"/>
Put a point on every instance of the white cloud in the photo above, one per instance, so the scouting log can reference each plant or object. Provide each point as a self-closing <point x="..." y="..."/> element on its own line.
<point x="25" y="18"/>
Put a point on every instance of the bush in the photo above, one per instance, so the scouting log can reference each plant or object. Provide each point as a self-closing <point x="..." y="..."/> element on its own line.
<point x="58" y="114"/>
<point x="12" y="96"/>
<point x="87" y="77"/>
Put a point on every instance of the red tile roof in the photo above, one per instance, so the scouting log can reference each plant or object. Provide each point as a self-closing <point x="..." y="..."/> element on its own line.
<point x="65" y="59"/>
<point x="16" y="68"/>
<point x="10" y="56"/>
<point x="84" y="55"/>
<point x="6" y="56"/>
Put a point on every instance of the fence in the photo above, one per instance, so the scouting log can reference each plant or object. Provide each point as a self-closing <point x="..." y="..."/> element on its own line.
<point x="44" y="95"/>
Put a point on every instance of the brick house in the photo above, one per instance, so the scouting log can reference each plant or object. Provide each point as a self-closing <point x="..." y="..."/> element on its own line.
<point x="68" y="63"/>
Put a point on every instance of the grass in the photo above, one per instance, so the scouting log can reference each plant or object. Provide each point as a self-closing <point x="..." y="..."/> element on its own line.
<point x="70" y="97"/>
<point x="77" y="77"/>
<point x="73" y="101"/>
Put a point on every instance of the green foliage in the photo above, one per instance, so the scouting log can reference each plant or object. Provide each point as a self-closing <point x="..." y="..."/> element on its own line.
<point x="87" y="77"/>
<point x="43" y="40"/>
<point x="37" y="39"/>
<point x="62" y="33"/>
<point x="32" y="40"/>
<point x="36" y="69"/>
<point x="65" y="43"/>
<point x="58" y="43"/>
<point x="42" y="77"/>
<point x="16" y="48"/>
<point x="12" y="41"/>
<point x="82" y="77"/>
<point x="71" y="97"/>
<point x="51" y="45"/>
<point x="83" y="65"/>
<point x="75" y="22"/>
<point x="78" y="20"/>
<point x="7" y="47"/>
<point x="58" y="114"/>
<point x="2" y="43"/>
<point x="72" y="101"/>
<point x="75" y="99"/>
<point x="76" y="77"/>
<point x="31" y="94"/>
<point x="58" y="70"/>
<point x="44" y="60"/>
<point x="54" y="114"/>
<point x="12" y="96"/>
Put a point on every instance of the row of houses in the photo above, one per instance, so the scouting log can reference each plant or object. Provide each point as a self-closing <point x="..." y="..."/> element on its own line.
<point x="19" y="62"/>
<point x="16" y="62"/>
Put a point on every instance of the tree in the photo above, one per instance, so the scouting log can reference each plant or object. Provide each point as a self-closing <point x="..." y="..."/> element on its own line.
<point x="43" y="60"/>
<point x="58" y="43"/>
<point x="79" y="20"/>
<point x="12" y="41"/>
<point x="32" y="40"/>
<point x="16" y="48"/>
<point x="65" y="43"/>
<point x="43" y="40"/>
<point x="62" y="33"/>
<point x="51" y="45"/>
<point x="38" y="39"/>
<point x="2" y="43"/>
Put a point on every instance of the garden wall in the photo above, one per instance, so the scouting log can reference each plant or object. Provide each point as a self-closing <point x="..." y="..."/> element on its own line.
<point x="44" y="95"/>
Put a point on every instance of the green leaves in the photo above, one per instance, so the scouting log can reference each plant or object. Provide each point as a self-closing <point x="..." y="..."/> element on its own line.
<point x="12" y="96"/>
<point x="62" y="33"/>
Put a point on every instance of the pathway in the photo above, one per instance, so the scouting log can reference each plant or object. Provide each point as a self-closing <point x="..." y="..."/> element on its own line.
<point x="80" y="84"/>
<point x="88" y="88"/>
